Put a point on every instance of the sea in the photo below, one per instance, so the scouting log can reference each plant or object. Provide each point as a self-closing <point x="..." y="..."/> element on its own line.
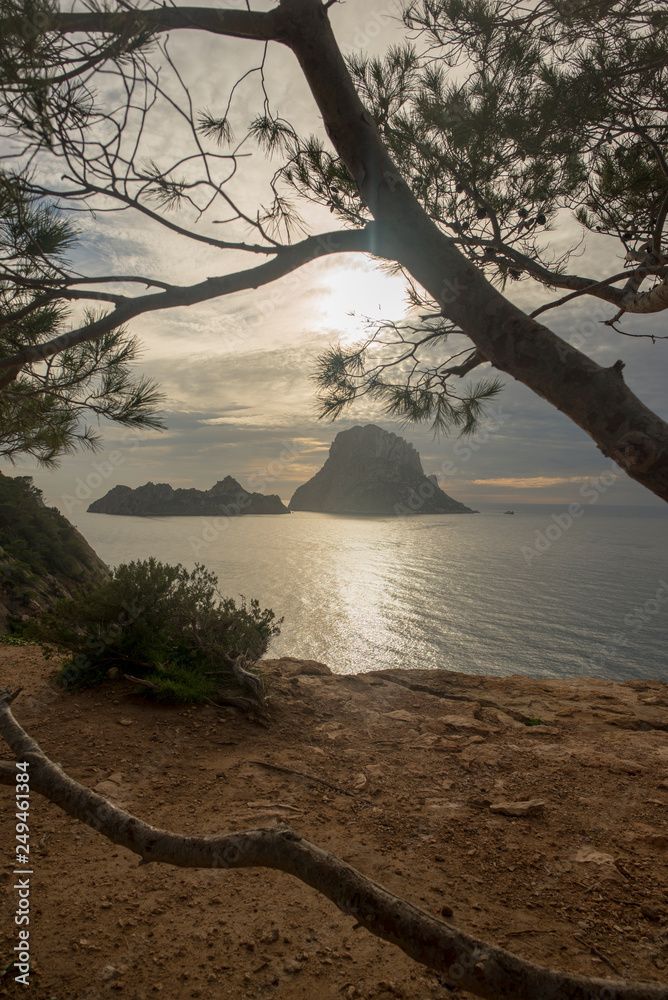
<point x="540" y="592"/>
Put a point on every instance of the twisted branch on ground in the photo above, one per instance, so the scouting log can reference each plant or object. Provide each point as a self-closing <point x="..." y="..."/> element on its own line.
<point x="462" y="960"/>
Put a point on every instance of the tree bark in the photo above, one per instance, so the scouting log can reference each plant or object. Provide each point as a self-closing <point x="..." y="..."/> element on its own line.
<point x="464" y="961"/>
<point x="595" y="398"/>
<point x="260" y="26"/>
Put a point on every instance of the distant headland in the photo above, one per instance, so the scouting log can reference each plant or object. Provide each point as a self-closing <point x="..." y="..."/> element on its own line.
<point x="371" y="471"/>
<point x="226" y="499"/>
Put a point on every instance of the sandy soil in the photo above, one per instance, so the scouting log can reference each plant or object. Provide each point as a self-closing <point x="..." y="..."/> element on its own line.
<point x="579" y="883"/>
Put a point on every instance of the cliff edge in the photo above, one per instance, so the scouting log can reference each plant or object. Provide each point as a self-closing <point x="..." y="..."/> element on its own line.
<point x="527" y="812"/>
<point x="42" y="556"/>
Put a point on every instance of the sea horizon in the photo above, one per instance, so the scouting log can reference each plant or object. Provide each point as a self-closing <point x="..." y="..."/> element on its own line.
<point x="540" y="593"/>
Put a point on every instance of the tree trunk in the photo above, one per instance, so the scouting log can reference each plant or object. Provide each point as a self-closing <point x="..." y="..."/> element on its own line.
<point x="595" y="398"/>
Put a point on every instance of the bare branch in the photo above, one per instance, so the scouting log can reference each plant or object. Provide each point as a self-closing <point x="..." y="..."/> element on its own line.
<point x="289" y="259"/>
<point x="629" y="300"/>
<point x="128" y="202"/>
<point x="382" y="185"/>
<point x="640" y="273"/>
<point x="657" y="235"/>
<point x="218" y="21"/>
<point x="474" y="965"/>
<point x="474" y="359"/>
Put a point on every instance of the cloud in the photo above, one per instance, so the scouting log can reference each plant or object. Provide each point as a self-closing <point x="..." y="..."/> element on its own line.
<point x="237" y="370"/>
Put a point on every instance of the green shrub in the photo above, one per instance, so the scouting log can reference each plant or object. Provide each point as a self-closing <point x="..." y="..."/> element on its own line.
<point x="180" y="685"/>
<point x="159" y="623"/>
<point x="13" y="640"/>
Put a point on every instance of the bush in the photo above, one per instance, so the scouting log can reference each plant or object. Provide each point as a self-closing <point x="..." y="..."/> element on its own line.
<point x="159" y="623"/>
<point x="13" y="640"/>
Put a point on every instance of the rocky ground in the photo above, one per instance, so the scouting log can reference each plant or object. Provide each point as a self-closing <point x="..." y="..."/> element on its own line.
<point x="548" y="838"/>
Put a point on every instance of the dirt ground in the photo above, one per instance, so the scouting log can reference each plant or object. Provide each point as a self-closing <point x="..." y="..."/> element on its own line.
<point x="413" y="779"/>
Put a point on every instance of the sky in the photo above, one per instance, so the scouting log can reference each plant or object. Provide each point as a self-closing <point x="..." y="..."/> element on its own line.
<point x="237" y="371"/>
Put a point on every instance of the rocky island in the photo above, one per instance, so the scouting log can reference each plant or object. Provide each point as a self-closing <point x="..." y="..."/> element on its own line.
<point x="227" y="499"/>
<point x="371" y="471"/>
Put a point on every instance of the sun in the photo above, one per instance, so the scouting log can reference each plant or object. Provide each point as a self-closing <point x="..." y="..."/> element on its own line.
<point x="358" y="291"/>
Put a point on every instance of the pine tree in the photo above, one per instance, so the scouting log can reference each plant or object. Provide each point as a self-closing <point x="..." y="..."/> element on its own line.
<point x="515" y="121"/>
<point x="44" y="404"/>
<point x="451" y="164"/>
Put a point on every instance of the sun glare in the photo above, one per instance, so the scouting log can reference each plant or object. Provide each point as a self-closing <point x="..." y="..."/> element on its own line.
<point x="360" y="292"/>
